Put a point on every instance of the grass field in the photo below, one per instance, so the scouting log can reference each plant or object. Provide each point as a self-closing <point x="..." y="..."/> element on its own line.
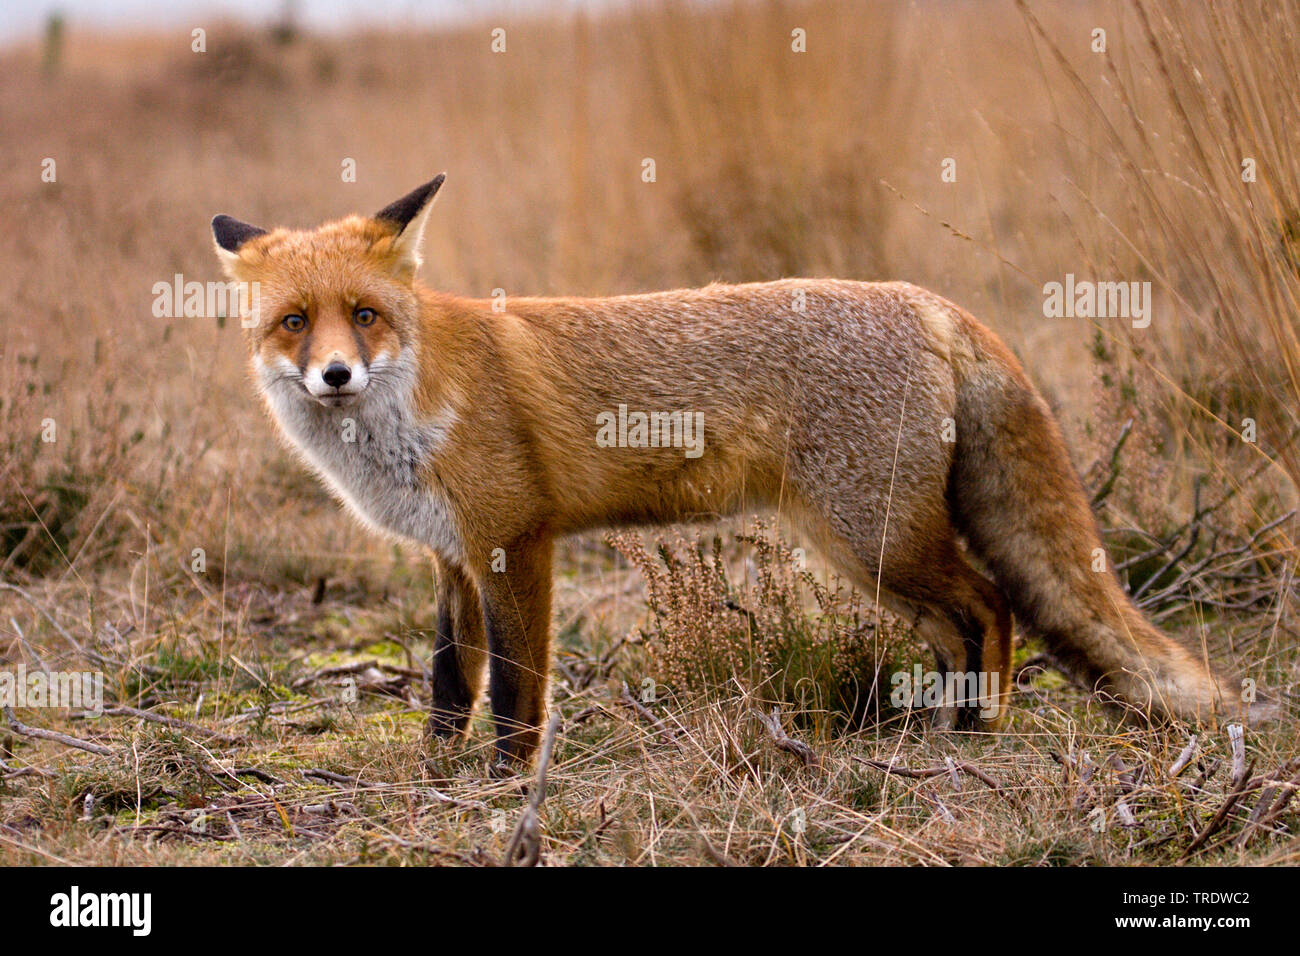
<point x="262" y="655"/>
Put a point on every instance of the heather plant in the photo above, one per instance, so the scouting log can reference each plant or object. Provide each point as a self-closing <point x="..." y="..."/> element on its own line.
<point x="774" y="632"/>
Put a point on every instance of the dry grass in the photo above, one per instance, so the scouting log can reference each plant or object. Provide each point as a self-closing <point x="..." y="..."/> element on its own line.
<point x="1121" y="166"/>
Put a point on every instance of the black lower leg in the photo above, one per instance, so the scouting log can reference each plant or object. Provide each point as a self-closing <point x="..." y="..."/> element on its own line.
<point x="969" y="683"/>
<point x="453" y="700"/>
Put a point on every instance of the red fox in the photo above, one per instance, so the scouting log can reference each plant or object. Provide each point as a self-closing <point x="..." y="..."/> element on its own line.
<point x="898" y="432"/>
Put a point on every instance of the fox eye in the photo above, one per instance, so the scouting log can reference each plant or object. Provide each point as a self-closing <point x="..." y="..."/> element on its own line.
<point x="294" y="323"/>
<point x="364" y="316"/>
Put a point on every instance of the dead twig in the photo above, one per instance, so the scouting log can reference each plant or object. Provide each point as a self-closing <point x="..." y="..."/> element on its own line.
<point x="332" y="777"/>
<point x="39" y="733"/>
<point x="952" y="772"/>
<point x="1207" y="773"/>
<point x="1269" y="807"/>
<point x="1184" y="758"/>
<point x="357" y="667"/>
<point x="928" y="772"/>
<point x="1085" y="793"/>
<point x="27" y="772"/>
<point x="525" y="847"/>
<point x="645" y="714"/>
<point x="1221" y="815"/>
<point x="903" y="771"/>
<point x="124" y="711"/>
<point x="783" y="740"/>
<point x="1195" y="535"/>
<point x="1112" y="476"/>
<point x="1237" y="741"/>
<point x="1126" y="782"/>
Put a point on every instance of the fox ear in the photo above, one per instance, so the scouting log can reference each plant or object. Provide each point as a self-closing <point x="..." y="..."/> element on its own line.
<point x="407" y="217"/>
<point x="229" y="234"/>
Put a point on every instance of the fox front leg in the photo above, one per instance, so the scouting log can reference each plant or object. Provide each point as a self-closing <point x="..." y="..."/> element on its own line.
<point x="459" y="652"/>
<point x="517" y="616"/>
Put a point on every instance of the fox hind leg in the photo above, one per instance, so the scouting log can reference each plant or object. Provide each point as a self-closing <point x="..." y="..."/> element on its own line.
<point x="969" y="632"/>
<point x="965" y="620"/>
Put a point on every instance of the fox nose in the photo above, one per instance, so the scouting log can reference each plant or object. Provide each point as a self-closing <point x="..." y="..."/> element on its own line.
<point x="336" y="375"/>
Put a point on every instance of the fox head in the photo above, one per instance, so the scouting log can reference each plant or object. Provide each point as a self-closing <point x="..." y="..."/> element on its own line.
<point x="336" y="313"/>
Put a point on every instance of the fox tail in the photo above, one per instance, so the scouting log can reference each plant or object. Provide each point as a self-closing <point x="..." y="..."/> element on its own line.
<point x="1018" y="501"/>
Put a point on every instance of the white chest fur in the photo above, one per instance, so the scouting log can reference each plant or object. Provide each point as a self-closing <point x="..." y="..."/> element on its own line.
<point x="371" y="454"/>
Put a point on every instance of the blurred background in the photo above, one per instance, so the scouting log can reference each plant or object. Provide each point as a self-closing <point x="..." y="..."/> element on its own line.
<point x="28" y="22"/>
